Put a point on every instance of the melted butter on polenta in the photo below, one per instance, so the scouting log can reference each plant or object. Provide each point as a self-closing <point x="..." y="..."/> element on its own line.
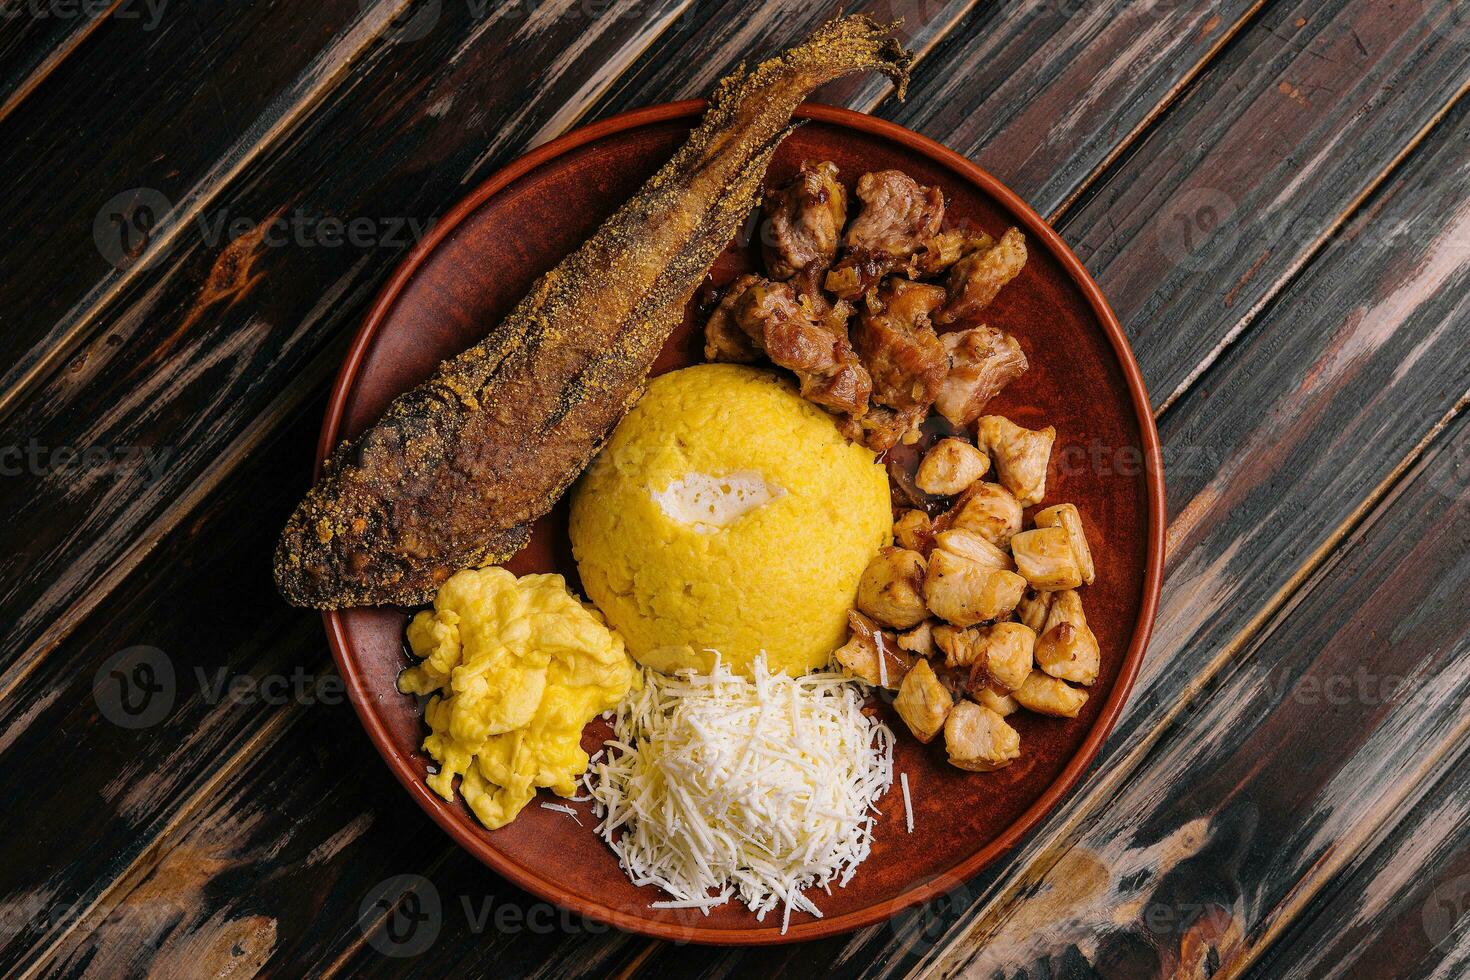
<point x="516" y="667"/>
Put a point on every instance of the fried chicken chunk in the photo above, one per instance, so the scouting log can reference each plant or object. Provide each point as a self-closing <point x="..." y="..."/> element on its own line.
<point x="976" y="279"/>
<point x="1021" y="455"/>
<point x="979" y="739"/>
<point x="923" y="702"/>
<point x="1068" y="649"/>
<point x="773" y="319"/>
<point x="891" y="589"/>
<point x="805" y="221"/>
<point x="1046" y="695"/>
<point x="869" y="647"/>
<point x="982" y="361"/>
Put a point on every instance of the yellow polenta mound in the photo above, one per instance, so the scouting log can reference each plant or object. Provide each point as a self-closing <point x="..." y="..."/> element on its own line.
<point x="727" y="513"/>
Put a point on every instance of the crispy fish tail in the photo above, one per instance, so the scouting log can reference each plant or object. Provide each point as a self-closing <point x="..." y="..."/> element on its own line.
<point x="457" y="469"/>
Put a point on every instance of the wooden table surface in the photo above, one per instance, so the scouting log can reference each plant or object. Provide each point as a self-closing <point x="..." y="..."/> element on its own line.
<point x="204" y="197"/>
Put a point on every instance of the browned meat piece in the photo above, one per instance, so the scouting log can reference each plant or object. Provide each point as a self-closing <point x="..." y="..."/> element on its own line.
<point x="872" y="655"/>
<point x="975" y="279"/>
<point x="776" y="321"/>
<point x="805" y="220"/>
<point x="882" y="427"/>
<point x="923" y="702"/>
<point x="978" y="738"/>
<point x="982" y="361"/>
<point x="907" y="362"/>
<point x="898" y="214"/>
<point x="457" y="469"/>
<point x="725" y="339"/>
<point x="939" y="252"/>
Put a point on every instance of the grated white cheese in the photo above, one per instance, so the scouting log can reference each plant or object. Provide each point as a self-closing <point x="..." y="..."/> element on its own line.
<point x="717" y="786"/>
<point x="908" y="809"/>
<point x="562" y="808"/>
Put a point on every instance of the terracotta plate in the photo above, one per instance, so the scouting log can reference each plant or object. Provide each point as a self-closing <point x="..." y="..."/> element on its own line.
<point x="480" y="260"/>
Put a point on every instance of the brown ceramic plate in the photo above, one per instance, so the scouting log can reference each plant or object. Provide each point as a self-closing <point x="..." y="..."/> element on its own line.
<point x="479" y="261"/>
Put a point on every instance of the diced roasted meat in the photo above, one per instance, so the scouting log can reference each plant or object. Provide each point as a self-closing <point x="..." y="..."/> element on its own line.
<point x="979" y="739"/>
<point x="1008" y="651"/>
<point x="1046" y="695"/>
<point x="899" y="347"/>
<point x="891" y="589"/>
<point x="1069" y="517"/>
<point x="1045" y="558"/>
<point x="869" y="647"/>
<point x="938" y="252"/>
<point x="991" y="511"/>
<point x="919" y="640"/>
<point x="971" y="545"/>
<point x="805" y="219"/>
<point x="965" y="592"/>
<point x="899" y="219"/>
<point x="1033" y="608"/>
<point x="982" y="361"/>
<point x="976" y="279"/>
<point x="724" y="338"/>
<point x="1021" y="455"/>
<point x="774" y="320"/>
<point x="1068" y="650"/>
<point x="1001" y="704"/>
<point x="883" y="427"/>
<point x="898" y="214"/>
<point x="914" y="530"/>
<point x="950" y="467"/>
<point x="923" y="702"/>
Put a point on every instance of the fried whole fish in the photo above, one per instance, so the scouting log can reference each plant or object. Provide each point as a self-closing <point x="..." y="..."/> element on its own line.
<point x="457" y="469"/>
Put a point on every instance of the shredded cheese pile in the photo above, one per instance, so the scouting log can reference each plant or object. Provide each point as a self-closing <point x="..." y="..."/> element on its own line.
<point x="717" y="785"/>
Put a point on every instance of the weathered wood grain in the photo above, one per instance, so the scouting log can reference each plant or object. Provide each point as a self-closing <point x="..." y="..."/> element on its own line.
<point x="233" y="85"/>
<point x="1195" y="235"/>
<point x="282" y="870"/>
<point x="1398" y="910"/>
<point x="34" y="42"/>
<point x="1045" y="94"/>
<point x="1323" y="731"/>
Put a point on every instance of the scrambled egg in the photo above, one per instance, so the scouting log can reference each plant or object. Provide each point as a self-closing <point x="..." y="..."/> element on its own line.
<point x="728" y="513"/>
<point x="517" y="667"/>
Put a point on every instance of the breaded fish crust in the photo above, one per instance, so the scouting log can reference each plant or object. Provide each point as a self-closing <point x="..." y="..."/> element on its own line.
<point x="457" y="469"/>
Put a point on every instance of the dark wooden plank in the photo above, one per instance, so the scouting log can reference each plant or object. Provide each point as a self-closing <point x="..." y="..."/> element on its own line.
<point x="1045" y="94"/>
<point x="35" y="40"/>
<point x="1193" y="237"/>
<point x="1321" y="736"/>
<point x="228" y="81"/>
<point x="1398" y="910"/>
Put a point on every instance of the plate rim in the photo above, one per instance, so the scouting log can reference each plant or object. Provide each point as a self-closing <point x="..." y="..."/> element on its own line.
<point x="449" y="818"/>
